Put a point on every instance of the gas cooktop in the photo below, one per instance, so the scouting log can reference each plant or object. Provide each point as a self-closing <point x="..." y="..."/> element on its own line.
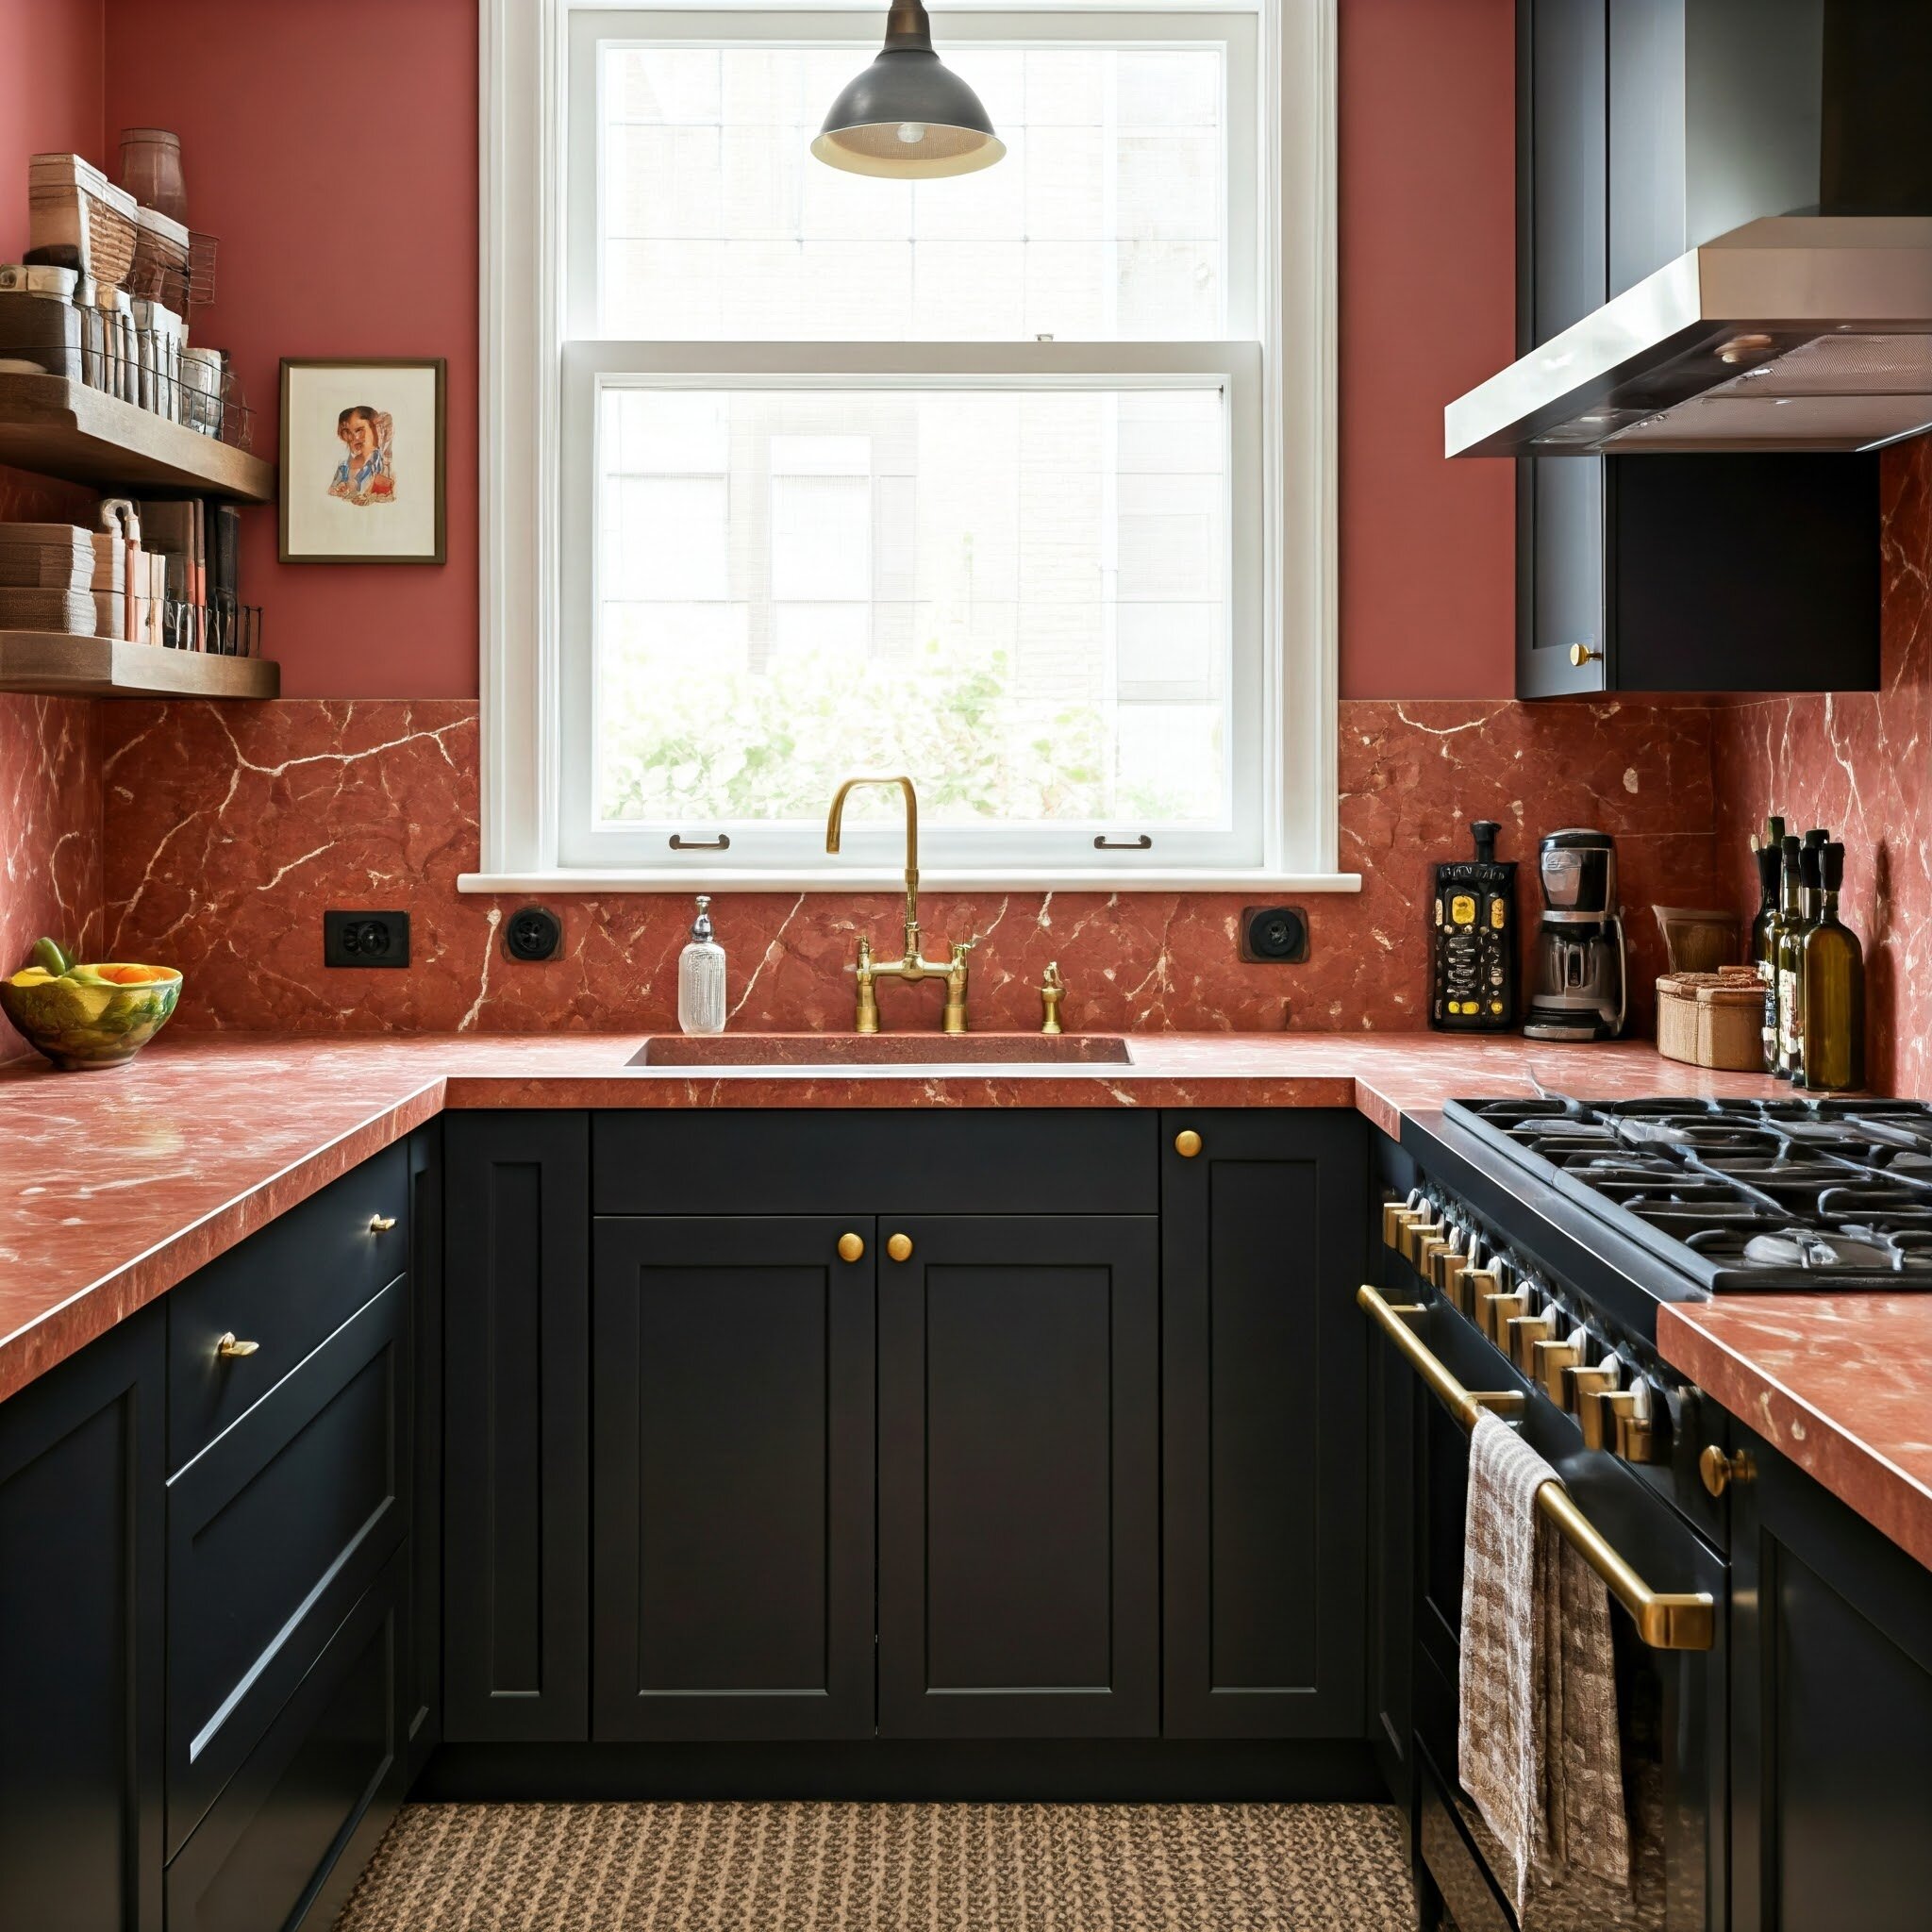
<point x="1762" y="1194"/>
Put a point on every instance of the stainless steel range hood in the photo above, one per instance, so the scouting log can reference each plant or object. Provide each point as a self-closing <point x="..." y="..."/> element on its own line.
<point x="1796" y="332"/>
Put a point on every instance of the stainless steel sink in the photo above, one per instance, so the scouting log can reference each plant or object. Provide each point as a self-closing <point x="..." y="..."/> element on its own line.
<point x="882" y="1050"/>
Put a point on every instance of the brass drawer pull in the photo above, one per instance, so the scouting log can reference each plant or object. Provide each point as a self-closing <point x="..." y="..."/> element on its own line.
<point x="228" y="1349"/>
<point x="1187" y="1143"/>
<point x="1687" y="1621"/>
<point x="900" y="1247"/>
<point x="1720" y="1471"/>
<point x="381" y="1223"/>
<point x="851" y="1248"/>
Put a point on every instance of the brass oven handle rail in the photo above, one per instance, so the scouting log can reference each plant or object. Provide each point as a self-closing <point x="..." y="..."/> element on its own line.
<point x="1665" y="1621"/>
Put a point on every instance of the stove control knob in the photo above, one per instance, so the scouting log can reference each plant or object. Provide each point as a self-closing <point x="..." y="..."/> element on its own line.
<point x="1720" y="1471"/>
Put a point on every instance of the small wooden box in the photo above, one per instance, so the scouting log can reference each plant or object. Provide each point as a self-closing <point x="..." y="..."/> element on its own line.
<point x="1712" y="1019"/>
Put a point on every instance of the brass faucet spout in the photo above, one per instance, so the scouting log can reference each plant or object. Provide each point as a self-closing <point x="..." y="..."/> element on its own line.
<point x="834" y="825"/>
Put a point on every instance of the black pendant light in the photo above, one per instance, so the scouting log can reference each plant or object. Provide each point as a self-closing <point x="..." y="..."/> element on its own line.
<point x="908" y="116"/>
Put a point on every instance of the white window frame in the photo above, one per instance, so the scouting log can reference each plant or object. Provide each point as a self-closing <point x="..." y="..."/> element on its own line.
<point x="537" y="399"/>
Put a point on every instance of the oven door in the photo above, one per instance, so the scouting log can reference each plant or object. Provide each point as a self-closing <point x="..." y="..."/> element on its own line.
<point x="1671" y="1702"/>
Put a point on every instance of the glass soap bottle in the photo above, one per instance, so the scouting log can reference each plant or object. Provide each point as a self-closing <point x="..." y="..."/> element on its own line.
<point x="701" y="976"/>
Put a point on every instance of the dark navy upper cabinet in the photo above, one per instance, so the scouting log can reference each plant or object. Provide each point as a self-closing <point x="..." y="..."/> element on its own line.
<point x="1831" y="1697"/>
<point x="732" y="1390"/>
<point x="81" y="1619"/>
<point x="516" y="1426"/>
<point x="1264" y="1370"/>
<point x="1645" y="128"/>
<point x="1019" y="1478"/>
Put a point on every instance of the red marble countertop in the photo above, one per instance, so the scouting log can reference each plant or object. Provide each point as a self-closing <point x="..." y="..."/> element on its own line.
<point x="1837" y="1382"/>
<point x="116" y="1185"/>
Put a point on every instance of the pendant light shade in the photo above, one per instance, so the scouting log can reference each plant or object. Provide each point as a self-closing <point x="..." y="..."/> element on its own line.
<point x="908" y="116"/>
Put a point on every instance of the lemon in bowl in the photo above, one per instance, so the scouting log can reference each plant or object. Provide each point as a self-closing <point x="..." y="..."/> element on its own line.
<point x="82" y="1016"/>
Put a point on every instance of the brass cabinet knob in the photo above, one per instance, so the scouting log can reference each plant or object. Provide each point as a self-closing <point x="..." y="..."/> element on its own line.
<point x="900" y="1247"/>
<point x="227" y="1348"/>
<point x="1581" y="655"/>
<point x="1720" y="1471"/>
<point x="381" y="1223"/>
<point x="851" y="1248"/>
<point x="1187" y="1143"/>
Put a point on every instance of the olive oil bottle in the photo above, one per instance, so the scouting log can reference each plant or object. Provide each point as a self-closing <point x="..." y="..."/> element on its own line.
<point x="1833" y="992"/>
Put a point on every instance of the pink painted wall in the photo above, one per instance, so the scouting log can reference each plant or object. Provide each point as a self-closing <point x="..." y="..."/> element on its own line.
<point x="50" y="762"/>
<point x="331" y="146"/>
<point x="1427" y="241"/>
<point x="51" y="54"/>
<point x="337" y="241"/>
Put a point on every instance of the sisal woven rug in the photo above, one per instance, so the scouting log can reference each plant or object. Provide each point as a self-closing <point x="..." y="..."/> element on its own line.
<point x="887" y="1867"/>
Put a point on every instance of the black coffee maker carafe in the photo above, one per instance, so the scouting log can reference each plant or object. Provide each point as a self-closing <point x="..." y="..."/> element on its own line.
<point x="1578" y="989"/>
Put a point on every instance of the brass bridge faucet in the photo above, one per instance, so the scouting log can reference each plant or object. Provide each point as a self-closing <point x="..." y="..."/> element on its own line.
<point x="911" y="969"/>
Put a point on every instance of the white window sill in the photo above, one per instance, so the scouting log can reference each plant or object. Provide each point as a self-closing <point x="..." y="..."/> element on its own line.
<point x="696" y="876"/>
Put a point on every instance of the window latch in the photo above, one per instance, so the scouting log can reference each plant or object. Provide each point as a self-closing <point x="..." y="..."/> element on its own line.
<point x="1104" y="843"/>
<point x="721" y="843"/>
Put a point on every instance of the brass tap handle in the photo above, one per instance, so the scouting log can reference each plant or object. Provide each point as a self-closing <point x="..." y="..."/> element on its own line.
<point x="228" y="1349"/>
<point x="1052" y="989"/>
<point x="953" y="1020"/>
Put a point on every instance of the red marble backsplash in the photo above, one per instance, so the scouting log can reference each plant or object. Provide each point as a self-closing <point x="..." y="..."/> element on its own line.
<point x="50" y="830"/>
<point x="230" y="827"/>
<point x="1858" y="763"/>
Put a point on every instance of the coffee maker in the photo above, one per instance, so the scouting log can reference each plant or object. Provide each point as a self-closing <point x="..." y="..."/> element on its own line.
<point x="1579" y="990"/>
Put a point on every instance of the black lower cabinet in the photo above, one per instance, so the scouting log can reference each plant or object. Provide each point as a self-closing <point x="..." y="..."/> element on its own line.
<point x="1264" y="1369"/>
<point x="275" y="1530"/>
<point x="289" y="1836"/>
<point x="82" y="1464"/>
<point x="1831" y="1751"/>
<point x="517" y="1428"/>
<point x="732" y="1537"/>
<point x="1019" y="1503"/>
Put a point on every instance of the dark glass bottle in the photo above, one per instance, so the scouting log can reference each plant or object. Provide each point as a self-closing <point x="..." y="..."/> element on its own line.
<point x="1834" y="989"/>
<point x="1767" y="857"/>
<point x="1790" y="938"/>
<point x="1764" y="932"/>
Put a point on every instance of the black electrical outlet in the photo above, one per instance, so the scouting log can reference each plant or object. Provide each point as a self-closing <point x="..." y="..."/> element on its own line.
<point x="365" y="938"/>
<point x="532" y="932"/>
<point x="1275" y="935"/>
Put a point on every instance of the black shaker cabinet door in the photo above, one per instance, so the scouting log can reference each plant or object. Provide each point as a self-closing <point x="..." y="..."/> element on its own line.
<point x="81" y="1467"/>
<point x="1263" y="1364"/>
<point x="1831" y="1700"/>
<point x="732" y="1576"/>
<point x="516" y="1427"/>
<point x="1018" y="1422"/>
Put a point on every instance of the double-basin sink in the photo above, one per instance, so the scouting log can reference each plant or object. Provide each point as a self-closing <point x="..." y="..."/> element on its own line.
<point x="883" y="1050"/>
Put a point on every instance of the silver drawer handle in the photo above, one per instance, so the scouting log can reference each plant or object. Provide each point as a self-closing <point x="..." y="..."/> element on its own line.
<point x="381" y="1223"/>
<point x="227" y="1348"/>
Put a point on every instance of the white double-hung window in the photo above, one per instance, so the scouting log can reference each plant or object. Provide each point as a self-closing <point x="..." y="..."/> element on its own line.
<point x="1020" y="482"/>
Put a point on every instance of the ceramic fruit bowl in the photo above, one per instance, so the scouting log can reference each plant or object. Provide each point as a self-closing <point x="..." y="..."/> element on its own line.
<point x="82" y="1016"/>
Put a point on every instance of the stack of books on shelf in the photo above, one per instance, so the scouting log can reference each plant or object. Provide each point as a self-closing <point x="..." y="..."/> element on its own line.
<point x="163" y="572"/>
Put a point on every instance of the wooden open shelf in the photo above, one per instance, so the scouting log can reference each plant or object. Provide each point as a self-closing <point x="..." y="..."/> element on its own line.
<point x="59" y="428"/>
<point x="65" y="665"/>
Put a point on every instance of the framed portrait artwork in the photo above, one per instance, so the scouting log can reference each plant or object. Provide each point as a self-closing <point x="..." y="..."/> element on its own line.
<point x="362" y="461"/>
